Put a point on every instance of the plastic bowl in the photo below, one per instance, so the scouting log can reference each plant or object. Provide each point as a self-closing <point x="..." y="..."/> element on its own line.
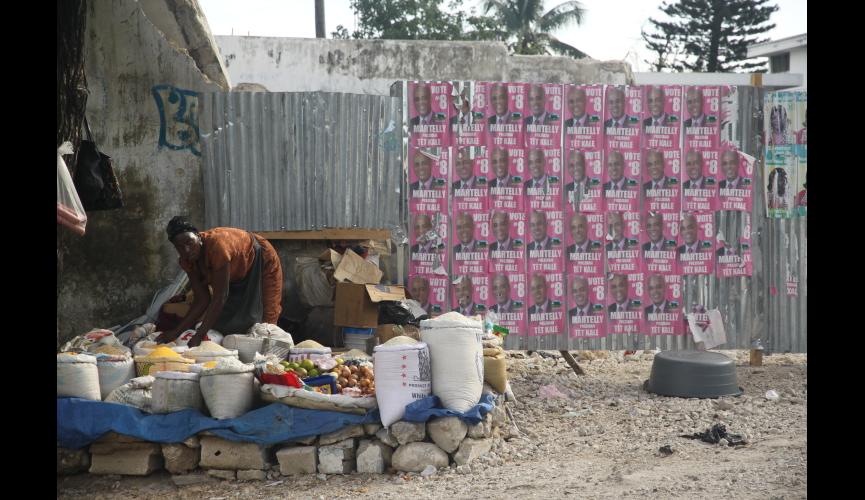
<point x="693" y="374"/>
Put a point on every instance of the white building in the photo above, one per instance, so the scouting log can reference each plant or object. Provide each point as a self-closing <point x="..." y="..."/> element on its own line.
<point x="787" y="55"/>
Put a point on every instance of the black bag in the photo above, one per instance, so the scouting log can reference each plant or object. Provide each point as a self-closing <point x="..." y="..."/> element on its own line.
<point x="94" y="178"/>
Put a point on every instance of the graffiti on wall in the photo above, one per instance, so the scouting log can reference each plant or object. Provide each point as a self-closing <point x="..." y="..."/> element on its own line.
<point x="178" y="118"/>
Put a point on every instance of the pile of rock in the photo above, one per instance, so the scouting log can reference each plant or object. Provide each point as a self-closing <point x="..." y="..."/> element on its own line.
<point x="368" y="448"/>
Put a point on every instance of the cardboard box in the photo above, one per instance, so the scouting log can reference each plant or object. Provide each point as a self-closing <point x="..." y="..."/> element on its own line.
<point x="357" y="305"/>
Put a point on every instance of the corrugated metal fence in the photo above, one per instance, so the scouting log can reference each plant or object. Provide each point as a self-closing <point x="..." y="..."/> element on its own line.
<point x="313" y="160"/>
<point x="282" y="161"/>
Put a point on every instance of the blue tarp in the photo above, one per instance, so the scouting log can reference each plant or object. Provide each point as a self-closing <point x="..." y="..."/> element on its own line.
<point x="430" y="406"/>
<point x="80" y="422"/>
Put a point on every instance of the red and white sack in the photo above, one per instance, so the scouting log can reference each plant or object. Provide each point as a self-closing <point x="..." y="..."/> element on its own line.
<point x="456" y="356"/>
<point x="402" y="376"/>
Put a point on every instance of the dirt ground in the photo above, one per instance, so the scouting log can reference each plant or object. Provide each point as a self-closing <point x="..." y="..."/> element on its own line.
<point x="600" y="441"/>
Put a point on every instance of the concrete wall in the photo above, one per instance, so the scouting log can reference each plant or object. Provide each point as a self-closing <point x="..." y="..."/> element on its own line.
<point x="799" y="63"/>
<point x="138" y="81"/>
<point x="371" y="66"/>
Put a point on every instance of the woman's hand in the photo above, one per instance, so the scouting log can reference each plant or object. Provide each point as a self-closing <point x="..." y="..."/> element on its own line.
<point x="166" y="337"/>
<point x="195" y="340"/>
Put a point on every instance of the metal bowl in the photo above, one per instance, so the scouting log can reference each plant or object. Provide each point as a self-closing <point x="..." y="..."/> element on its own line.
<point x="693" y="374"/>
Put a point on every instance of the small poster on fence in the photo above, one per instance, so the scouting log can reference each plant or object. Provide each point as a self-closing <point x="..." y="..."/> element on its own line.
<point x="508" y="173"/>
<point x="659" y="237"/>
<point x="661" y="185"/>
<point x="507" y="241"/>
<point x="467" y="124"/>
<point x="587" y="315"/>
<point x="430" y="291"/>
<point x="623" y="242"/>
<point x="662" y="125"/>
<point x="622" y="180"/>
<point x="624" y="303"/>
<point x="699" y="180"/>
<point x="663" y="311"/>
<point x="509" y="300"/>
<point x="583" y="123"/>
<point x="734" y="251"/>
<point x="430" y="110"/>
<point x="470" y="234"/>
<point x="507" y="107"/>
<point x="428" y="177"/>
<point x="469" y="176"/>
<point x="547" y="309"/>
<point x="429" y="237"/>
<point x="543" y="187"/>
<point x="585" y="251"/>
<point x="735" y="190"/>
<point x="701" y="117"/>
<point x="546" y="241"/>
<point x="583" y="191"/>
<point x="697" y="243"/>
<point x="544" y="121"/>
<point x="470" y="294"/>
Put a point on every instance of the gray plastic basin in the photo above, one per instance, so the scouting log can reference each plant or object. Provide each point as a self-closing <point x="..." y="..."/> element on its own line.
<point x="693" y="374"/>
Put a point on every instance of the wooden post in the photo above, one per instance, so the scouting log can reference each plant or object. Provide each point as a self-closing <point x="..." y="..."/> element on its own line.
<point x="571" y="361"/>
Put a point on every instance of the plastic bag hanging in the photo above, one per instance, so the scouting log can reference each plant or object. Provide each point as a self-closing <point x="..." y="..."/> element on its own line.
<point x="70" y="211"/>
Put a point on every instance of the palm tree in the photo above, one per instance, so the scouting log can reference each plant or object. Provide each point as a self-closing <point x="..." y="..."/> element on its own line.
<point x="527" y="29"/>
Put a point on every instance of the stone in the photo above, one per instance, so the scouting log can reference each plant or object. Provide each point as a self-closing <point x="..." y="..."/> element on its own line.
<point x="297" y="460"/>
<point x="180" y="458"/>
<point x="499" y="416"/>
<point x="408" y="432"/>
<point x="414" y="457"/>
<point x="251" y="475"/>
<point x="306" y="441"/>
<point x="218" y="453"/>
<point x="222" y="474"/>
<point x="337" y="458"/>
<point x="128" y="459"/>
<point x="447" y="432"/>
<point x="373" y="456"/>
<point x="428" y="471"/>
<point x="371" y="429"/>
<point x="482" y="429"/>
<point x="351" y="431"/>
<point x="192" y="442"/>
<point x="72" y="461"/>
<point x="386" y="437"/>
<point x="191" y="479"/>
<point x="470" y="449"/>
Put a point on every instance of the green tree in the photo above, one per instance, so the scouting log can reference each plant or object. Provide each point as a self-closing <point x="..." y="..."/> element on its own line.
<point x="417" y="20"/>
<point x="709" y="35"/>
<point x="527" y="29"/>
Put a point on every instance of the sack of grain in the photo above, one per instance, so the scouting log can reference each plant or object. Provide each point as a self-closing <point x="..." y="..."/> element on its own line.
<point x="176" y="391"/>
<point x="78" y="376"/>
<point x="114" y="371"/>
<point x="402" y="376"/>
<point x="456" y="357"/>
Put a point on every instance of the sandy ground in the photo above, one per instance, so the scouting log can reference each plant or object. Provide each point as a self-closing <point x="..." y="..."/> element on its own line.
<point x="601" y="440"/>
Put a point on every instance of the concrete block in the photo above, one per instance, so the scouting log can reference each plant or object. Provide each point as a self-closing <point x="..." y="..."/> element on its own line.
<point x="222" y="474"/>
<point x="251" y="475"/>
<point x="297" y="460"/>
<point x="337" y="458"/>
<point x="191" y="479"/>
<point x="373" y="456"/>
<point x="180" y="458"/>
<point x="128" y="459"/>
<point x="218" y="453"/>
<point x="351" y="431"/>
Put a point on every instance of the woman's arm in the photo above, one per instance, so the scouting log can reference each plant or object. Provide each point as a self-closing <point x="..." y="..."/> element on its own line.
<point x="199" y="304"/>
<point x="219" y="280"/>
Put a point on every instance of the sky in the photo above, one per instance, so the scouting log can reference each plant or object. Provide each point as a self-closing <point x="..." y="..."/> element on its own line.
<point x="610" y="29"/>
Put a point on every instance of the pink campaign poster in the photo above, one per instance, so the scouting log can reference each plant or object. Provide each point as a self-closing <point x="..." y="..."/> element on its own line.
<point x="662" y="125"/>
<point x="583" y="191"/>
<point x="507" y="241"/>
<point x="697" y="243"/>
<point x="658" y="242"/>
<point x="544" y="120"/>
<point x="585" y="251"/>
<point x="508" y="167"/>
<point x="469" y="177"/>
<point x="587" y="316"/>
<point x="470" y="294"/>
<point x="661" y="186"/>
<point x="467" y="125"/>
<point x="735" y="190"/>
<point x="583" y="123"/>
<point x="729" y="116"/>
<point x="663" y="311"/>
<point x="509" y="292"/>
<point x="622" y="180"/>
<point x="429" y="239"/>
<point x="430" y="291"/>
<point x="430" y="111"/>
<point x="547" y="309"/>
<point x="699" y="180"/>
<point x="471" y="230"/>
<point x="701" y="117"/>
<point x="623" y="117"/>
<point x="546" y="236"/>
<point x="625" y="303"/>
<point x="507" y="108"/>
<point x="428" y="180"/>
<point x="543" y="188"/>
<point x="622" y="246"/>
<point x="734" y="251"/>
